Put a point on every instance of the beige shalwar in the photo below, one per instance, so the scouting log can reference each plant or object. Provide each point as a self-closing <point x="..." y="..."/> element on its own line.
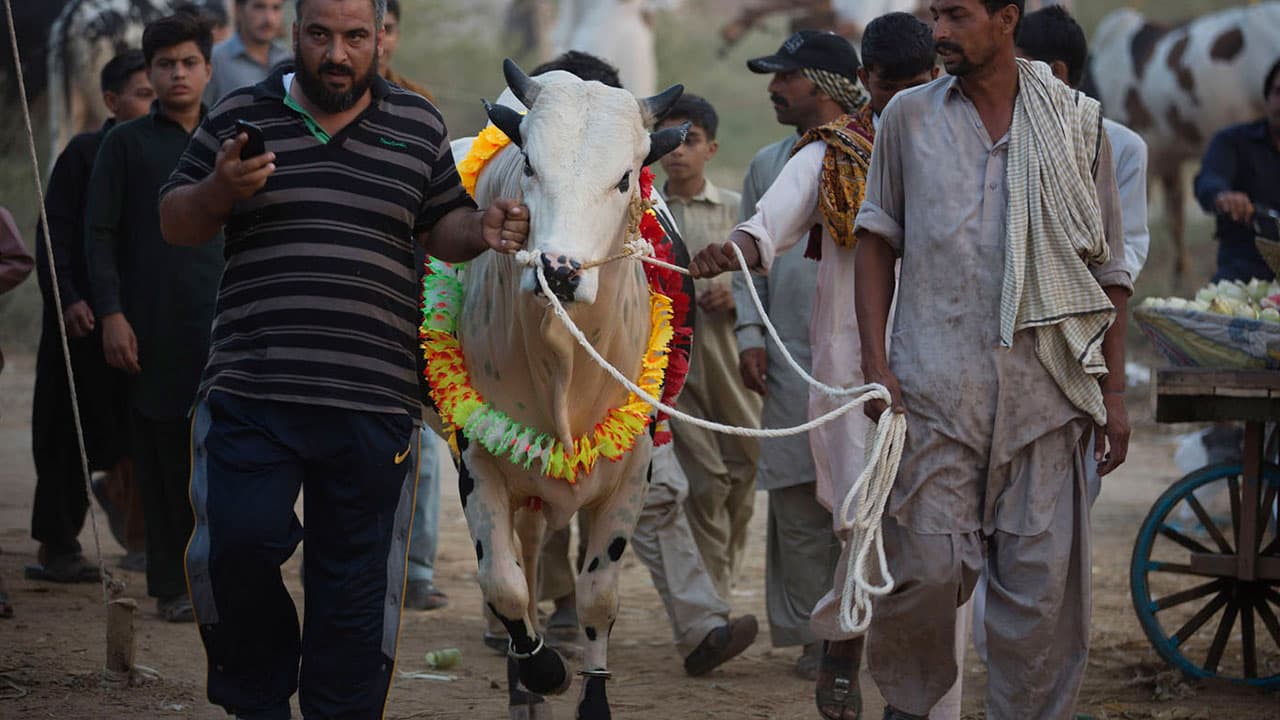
<point x="721" y="469"/>
<point x="993" y="469"/>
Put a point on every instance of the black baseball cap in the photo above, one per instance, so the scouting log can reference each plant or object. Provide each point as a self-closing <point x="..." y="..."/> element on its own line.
<point x="811" y="49"/>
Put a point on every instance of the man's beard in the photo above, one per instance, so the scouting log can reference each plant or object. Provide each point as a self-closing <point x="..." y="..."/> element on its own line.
<point x="962" y="67"/>
<point x="313" y="85"/>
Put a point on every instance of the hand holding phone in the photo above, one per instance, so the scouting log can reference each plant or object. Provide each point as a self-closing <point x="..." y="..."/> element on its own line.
<point x="256" y="145"/>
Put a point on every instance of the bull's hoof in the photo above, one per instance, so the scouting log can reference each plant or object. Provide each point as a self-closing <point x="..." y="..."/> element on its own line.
<point x="594" y="703"/>
<point x="543" y="671"/>
<point x="522" y="704"/>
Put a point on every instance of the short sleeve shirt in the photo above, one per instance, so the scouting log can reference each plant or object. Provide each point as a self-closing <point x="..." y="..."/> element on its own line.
<point x="319" y="301"/>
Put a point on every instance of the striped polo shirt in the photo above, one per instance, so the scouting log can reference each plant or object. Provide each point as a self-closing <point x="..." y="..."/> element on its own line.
<point x="318" y="303"/>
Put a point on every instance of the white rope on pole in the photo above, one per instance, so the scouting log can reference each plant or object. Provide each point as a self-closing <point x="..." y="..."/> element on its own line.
<point x="110" y="585"/>
<point x="867" y="497"/>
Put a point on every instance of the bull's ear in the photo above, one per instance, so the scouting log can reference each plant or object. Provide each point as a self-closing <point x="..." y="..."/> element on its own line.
<point x="524" y="87"/>
<point x="666" y="140"/>
<point x="505" y="119"/>
<point x="653" y="108"/>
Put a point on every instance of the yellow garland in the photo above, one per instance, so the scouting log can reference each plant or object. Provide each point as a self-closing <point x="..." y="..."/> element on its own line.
<point x="486" y="145"/>
<point x="462" y="407"/>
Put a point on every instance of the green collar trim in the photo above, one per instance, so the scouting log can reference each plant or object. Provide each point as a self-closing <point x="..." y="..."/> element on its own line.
<point x="316" y="131"/>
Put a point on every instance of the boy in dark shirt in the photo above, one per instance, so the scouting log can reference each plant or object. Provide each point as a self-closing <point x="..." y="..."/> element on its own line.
<point x="58" y="511"/>
<point x="155" y="302"/>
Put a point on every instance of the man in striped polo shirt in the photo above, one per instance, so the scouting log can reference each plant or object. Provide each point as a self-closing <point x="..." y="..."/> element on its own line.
<point x="310" y="379"/>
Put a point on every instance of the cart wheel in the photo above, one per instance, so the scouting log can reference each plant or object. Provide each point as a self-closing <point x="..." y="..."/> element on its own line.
<point x="1200" y="516"/>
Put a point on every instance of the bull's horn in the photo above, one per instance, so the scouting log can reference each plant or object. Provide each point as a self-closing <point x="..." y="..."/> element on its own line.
<point x="666" y="140"/>
<point x="525" y="88"/>
<point x="653" y="108"/>
<point x="505" y="119"/>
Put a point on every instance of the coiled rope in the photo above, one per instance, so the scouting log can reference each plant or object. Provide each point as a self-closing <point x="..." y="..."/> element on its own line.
<point x="862" y="507"/>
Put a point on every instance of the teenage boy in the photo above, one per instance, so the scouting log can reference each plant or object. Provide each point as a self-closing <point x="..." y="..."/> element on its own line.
<point x="248" y="56"/>
<point x="721" y="468"/>
<point x="57" y="514"/>
<point x="155" y="302"/>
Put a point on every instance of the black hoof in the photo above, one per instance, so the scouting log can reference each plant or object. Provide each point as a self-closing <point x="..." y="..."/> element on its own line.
<point x="594" y="704"/>
<point x="522" y="704"/>
<point x="544" y="671"/>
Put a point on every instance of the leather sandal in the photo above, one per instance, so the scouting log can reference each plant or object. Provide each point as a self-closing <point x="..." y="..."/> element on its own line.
<point x="837" y="693"/>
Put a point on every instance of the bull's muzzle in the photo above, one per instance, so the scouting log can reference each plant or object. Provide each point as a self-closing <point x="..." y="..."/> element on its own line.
<point x="563" y="276"/>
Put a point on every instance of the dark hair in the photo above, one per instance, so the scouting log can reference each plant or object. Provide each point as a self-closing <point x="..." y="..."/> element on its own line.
<point x="584" y="65"/>
<point x="174" y="30"/>
<point x="393" y="7"/>
<point x="696" y="110"/>
<point x="995" y="6"/>
<point x="898" y="46"/>
<point x="116" y="73"/>
<point x="1271" y="79"/>
<point x="1050" y="35"/>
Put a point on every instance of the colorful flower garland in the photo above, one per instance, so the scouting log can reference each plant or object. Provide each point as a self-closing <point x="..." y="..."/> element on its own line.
<point x="662" y="373"/>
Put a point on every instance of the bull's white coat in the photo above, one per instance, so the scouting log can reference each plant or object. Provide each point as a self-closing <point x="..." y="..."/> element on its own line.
<point x="581" y="140"/>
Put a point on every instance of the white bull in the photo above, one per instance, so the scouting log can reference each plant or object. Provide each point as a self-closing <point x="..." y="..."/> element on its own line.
<point x="576" y="162"/>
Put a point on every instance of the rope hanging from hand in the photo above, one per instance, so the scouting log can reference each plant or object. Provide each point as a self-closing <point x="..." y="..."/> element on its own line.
<point x="870" y="492"/>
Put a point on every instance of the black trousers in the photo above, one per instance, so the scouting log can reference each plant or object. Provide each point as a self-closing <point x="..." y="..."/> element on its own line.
<point x="357" y="472"/>
<point x="57" y="514"/>
<point x="162" y="469"/>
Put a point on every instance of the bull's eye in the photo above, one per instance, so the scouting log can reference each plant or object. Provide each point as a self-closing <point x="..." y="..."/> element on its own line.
<point x="625" y="183"/>
<point x="528" y="169"/>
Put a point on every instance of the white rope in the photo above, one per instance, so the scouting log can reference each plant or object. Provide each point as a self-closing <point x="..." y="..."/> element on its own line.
<point x="110" y="586"/>
<point x="870" y="492"/>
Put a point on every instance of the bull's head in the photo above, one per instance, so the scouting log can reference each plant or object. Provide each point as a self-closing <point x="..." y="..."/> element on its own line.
<point x="583" y="145"/>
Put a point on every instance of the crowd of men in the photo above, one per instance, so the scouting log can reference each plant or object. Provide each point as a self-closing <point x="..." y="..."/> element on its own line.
<point x="244" y="327"/>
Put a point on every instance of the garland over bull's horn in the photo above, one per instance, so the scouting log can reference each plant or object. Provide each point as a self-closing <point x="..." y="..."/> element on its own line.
<point x="505" y="119"/>
<point x="666" y="140"/>
<point x="525" y="88"/>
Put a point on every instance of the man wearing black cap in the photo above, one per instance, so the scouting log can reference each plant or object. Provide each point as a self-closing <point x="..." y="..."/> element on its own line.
<point x="813" y="201"/>
<point x="801" y="550"/>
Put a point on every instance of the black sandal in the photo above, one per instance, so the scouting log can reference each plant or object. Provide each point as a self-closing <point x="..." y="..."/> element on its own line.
<point x="837" y="693"/>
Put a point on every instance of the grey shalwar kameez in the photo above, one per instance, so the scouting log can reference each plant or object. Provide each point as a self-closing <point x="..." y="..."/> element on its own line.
<point x="993" y="470"/>
<point x="800" y="548"/>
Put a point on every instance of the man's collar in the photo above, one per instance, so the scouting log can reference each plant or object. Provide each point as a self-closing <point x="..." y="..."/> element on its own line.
<point x="951" y="87"/>
<point x="158" y="115"/>
<point x="708" y="194"/>
<point x="273" y="86"/>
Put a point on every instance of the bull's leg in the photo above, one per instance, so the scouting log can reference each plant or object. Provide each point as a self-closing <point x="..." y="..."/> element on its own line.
<point x="506" y="592"/>
<point x="611" y="524"/>
<point x="523" y="704"/>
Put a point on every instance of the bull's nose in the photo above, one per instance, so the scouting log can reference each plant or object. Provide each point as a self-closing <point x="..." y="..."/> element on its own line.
<point x="563" y="276"/>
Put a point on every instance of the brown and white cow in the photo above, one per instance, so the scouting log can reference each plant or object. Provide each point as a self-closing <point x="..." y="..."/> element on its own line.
<point x="575" y="161"/>
<point x="1178" y="85"/>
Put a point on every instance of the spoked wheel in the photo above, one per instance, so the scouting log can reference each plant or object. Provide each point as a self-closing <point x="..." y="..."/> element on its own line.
<point x="1204" y="614"/>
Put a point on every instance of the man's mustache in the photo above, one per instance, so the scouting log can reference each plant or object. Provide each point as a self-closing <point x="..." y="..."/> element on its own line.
<point x="941" y="45"/>
<point x="336" y="69"/>
<point x="778" y="100"/>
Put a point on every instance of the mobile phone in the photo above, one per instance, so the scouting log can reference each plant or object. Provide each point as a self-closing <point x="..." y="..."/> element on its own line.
<point x="256" y="145"/>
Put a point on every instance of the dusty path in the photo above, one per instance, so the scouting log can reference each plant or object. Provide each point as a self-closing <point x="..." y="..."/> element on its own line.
<point x="51" y="652"/>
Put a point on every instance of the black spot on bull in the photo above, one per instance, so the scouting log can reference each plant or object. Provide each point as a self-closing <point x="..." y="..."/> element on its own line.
<point x="1228" y="45"/>
<point x="479" y="551"/>
<point x="595" y="565"/>
<point x="591" y="633"/>
<point x="616" y="547"/>
<point x="466" y="483"/>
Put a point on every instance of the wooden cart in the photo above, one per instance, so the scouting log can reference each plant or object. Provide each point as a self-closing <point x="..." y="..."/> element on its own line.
<point x="1205" y="573"/>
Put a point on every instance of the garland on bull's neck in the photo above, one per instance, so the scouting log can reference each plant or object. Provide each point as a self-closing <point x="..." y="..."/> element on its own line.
<point x="462" y="408"/>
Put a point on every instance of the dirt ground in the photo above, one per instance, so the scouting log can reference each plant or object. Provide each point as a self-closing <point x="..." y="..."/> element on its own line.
<point x="52" y="652"/>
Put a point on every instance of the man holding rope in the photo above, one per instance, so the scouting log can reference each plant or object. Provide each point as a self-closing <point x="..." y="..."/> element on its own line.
<point x="995" y="188"/>
<point x="311" y="374"/>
